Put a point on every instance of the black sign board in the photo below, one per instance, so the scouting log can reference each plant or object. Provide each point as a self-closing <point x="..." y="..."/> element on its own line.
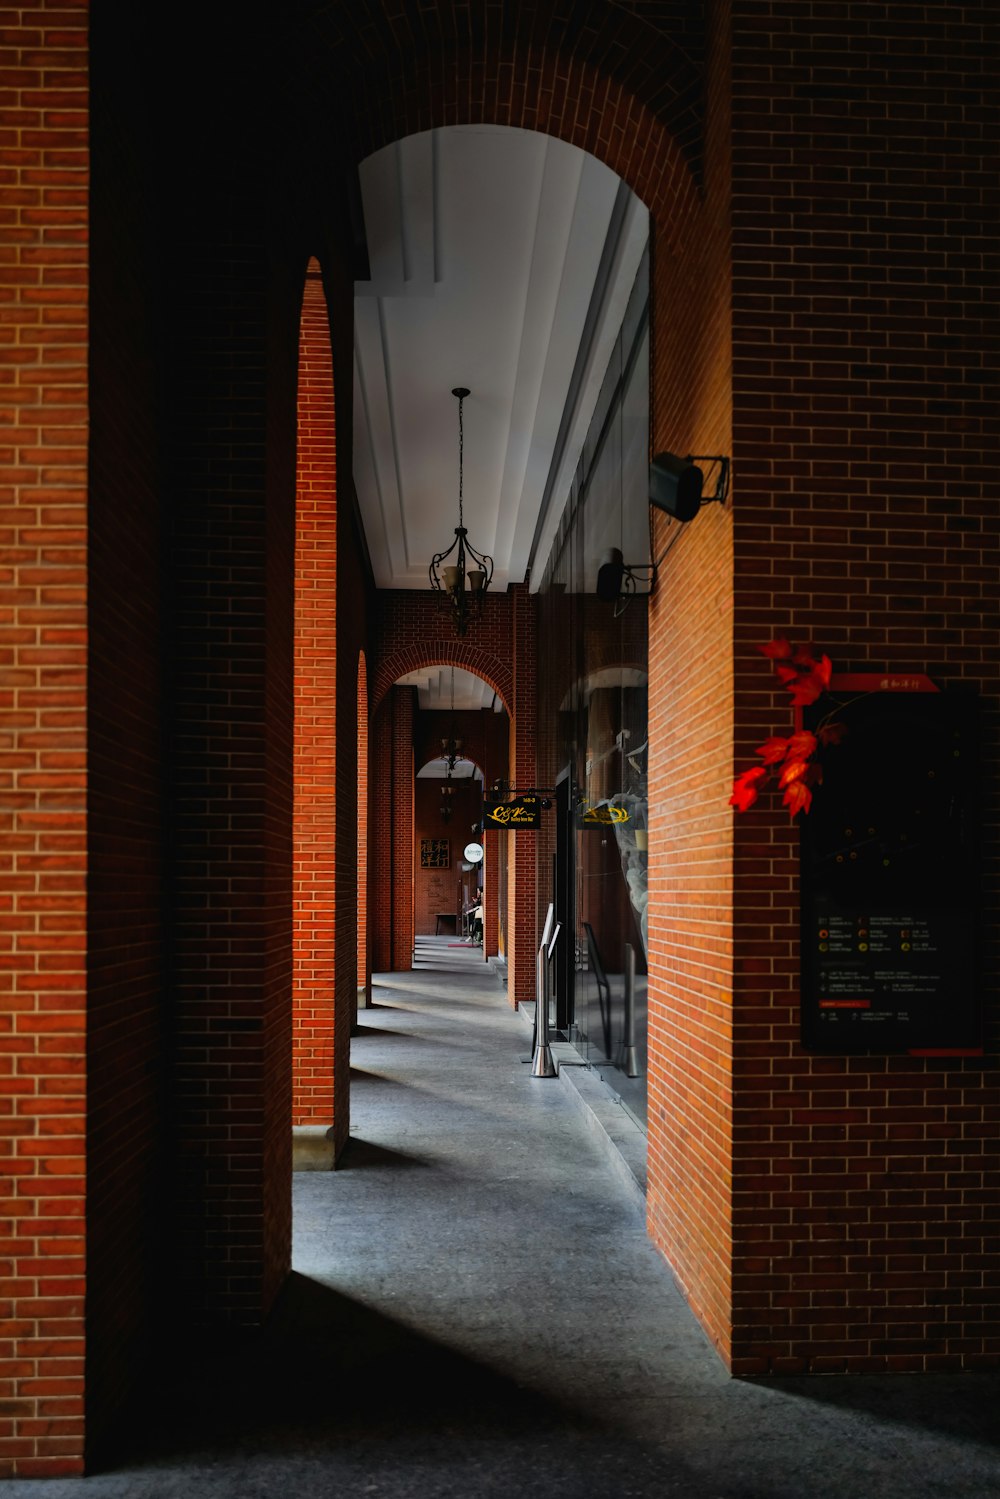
<point x="516" y="813"/>
<point x="890" y="879"/>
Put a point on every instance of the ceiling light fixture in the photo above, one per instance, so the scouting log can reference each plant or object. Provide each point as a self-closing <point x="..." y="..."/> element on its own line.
<point x="449" y="576"/>
<point x="447" y="792"/>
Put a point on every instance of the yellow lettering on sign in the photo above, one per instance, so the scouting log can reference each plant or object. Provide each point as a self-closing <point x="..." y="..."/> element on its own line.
<point x="606" y="815"/>
<point x="511" y="815"/>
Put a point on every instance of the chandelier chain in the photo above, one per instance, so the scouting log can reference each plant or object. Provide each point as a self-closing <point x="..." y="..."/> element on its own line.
<point x="461" y="464"/>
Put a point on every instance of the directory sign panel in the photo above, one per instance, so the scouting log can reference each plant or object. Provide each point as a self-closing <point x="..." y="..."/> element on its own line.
<point x="890" y="878"/>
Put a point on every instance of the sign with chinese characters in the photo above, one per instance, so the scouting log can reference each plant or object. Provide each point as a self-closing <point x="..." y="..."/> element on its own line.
<point x="600" y="816"/>
<point x="518" y="812"/>
<point x="435" y="853"/>
<point x="889" y="874"/>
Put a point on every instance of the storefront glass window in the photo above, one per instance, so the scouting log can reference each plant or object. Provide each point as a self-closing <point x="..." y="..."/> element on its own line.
<point x="593" y="741"/>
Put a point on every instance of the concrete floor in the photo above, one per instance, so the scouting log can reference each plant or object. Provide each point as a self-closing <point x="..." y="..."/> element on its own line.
<point x="476" y="1311"/>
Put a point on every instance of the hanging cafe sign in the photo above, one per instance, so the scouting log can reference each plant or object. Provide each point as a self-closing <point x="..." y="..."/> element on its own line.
<point x="523" y="812"/>
<point x="513" y="813"/>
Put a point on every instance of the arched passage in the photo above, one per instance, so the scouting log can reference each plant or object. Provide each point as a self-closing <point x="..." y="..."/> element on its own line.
<point x="640" y="118"/>
<point x="228" y="329"/>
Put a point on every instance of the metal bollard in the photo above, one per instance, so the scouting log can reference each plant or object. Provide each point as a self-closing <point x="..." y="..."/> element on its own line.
<point x="630" y="1055"/>
<point x="542" y="1064"/>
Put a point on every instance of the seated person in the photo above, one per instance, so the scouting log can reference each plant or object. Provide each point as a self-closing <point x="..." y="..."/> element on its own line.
<point x="474" y="914"/>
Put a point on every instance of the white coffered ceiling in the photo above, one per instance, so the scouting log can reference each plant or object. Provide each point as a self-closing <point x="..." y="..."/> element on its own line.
<point x="501" y="260"/>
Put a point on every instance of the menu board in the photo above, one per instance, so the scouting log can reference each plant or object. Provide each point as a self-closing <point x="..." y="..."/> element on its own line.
<point x="890" y="879"/>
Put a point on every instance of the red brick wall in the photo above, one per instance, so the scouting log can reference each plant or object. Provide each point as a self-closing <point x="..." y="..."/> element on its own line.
<point x="315" y="715"/>
<point x="522" y="917"/>
<point x="232" y="296"/>
<point x="43" y="864"/>
<point x="380" y="880"/>
<point x="861" y="360"/>
<point x="690" y="731"/>
<point x="864" y="297"/>
<point x="401" y="843"/>
<point x="127" y="1208"/>
<point x="354" y="613"/>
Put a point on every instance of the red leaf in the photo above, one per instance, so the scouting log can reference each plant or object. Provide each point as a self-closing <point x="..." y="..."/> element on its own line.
<point x="793" y="770"/>
<point x="802" y="745"/>
<point x="787" y="675"/>
<point x="831" y="733"/>
<point x="804" y="657"/>
<point x="773" y="751"/>
<point x="798" y="797"/>
<point x="745" y="788"/>
<point x="806" y="690"/>
<point x="824" y="670"/>
<point x="776" y="650"/>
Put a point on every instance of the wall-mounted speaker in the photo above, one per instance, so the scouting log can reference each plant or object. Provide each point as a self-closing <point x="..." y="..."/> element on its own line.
<point x="675" y="486"/>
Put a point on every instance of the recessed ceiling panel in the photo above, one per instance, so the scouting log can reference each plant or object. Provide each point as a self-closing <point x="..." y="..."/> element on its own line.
<point x="441" y="688"/>
<point x="484" y="245"/>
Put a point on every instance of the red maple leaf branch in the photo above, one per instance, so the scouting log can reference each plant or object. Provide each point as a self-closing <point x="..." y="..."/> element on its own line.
<point x="793" y="759"/>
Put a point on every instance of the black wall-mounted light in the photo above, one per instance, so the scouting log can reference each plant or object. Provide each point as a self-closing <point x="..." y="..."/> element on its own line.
<point x="676" y="484"/>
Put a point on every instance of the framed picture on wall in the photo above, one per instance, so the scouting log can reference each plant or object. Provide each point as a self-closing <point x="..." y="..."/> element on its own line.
<point x="435" y="853"/>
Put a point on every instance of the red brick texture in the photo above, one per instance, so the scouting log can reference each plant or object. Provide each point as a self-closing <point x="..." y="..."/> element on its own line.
<point x="691" y="993"/>
<point x="232" y="302"/>
<point x="380" y="868"/>
<point x="128" y="1213"/>
<point x="865" y="1202"/>
<point x="331" y="633"/>
<point x="821" y="286"/>
<point x="44" y="859"/>
<point x="316" y="669"/>
<point x="401" y="795"/>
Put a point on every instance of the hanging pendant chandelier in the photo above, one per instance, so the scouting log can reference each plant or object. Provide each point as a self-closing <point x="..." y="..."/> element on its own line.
<point x="461" y="563"/>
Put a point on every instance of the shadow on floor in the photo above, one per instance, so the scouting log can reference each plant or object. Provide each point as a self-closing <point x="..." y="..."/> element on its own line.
<point x="954" y="1405"/>
<point x="334" y="1398"/>
<point x="364" y="1153"/>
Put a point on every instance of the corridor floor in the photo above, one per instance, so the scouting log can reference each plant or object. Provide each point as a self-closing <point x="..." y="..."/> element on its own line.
<point x="476" y="1310"/>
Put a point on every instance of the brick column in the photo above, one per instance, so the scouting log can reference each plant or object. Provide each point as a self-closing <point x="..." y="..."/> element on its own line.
<point x="380" y="802"/>
<point x="401" y="905"/>
<point x="521" y="885"/>
<point x="44" y="859"/>
<point x="315" y="717"/>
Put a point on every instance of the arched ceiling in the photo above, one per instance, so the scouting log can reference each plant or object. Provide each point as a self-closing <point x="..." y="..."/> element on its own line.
<point x="501" y="260"/>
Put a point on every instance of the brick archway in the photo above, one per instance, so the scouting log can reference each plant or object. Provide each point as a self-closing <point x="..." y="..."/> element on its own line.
<point x="481" y="663"/>
<point x="627" y="89"/>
